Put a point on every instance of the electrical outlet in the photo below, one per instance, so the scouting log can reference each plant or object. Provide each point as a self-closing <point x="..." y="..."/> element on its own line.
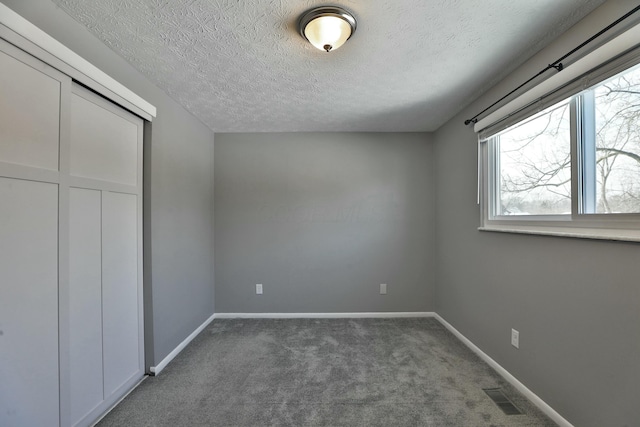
<point x="515" y="338"/>
<point x="383" y="289"/>
<point x="259" y="289"/>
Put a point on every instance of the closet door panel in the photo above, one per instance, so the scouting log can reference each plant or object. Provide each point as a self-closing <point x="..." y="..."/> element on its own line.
<point x="104" y="145"/>
<point x="85" y="301"/>
<point x="120" y="298"/>
<point x="29" y="115"/>
<point x="28" y="303"/>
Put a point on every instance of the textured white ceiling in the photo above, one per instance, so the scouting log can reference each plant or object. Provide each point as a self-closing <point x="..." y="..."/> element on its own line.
<point x="240" y="65"/>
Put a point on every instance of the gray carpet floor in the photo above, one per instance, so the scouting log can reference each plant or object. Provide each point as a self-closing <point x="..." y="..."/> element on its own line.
<point x="324" y="372"/>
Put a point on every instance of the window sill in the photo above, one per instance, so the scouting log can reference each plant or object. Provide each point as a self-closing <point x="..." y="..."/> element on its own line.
<point x="624" y="235"/>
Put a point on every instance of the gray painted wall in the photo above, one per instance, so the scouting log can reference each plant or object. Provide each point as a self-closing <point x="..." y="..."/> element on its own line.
<point x="179" y="190"/>
<point x="575" y="302"/>
<point x="321" y="220"/>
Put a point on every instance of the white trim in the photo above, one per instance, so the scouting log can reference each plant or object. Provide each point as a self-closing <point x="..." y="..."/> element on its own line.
<point x="531" y="396"/>
<point x="26" y="29"/>
<point x="377" y="315"/>
<point x="620" y="44"/>
<point x="541" y="404"/>
<point x="615" y="235"/>
<point x="155" y="370"/>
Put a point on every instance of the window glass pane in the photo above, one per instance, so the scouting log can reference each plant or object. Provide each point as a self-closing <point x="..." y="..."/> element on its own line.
<point x="533" y="165"/>
<point x="617" y="126"/>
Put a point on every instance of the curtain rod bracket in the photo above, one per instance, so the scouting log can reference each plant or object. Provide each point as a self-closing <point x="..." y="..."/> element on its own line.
<point x="557" y="66"/>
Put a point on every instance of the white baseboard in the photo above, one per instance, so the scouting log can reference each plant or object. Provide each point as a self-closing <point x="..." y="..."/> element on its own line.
<point x="541" y="404"/>
<point x="155" y="370"/>
<point x="377" y="314"/>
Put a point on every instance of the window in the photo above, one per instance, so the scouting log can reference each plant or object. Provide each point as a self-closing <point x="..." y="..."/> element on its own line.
<point x="576" y="164"/>
<point x="532" y="163"/>
<point x="616" y="176"/>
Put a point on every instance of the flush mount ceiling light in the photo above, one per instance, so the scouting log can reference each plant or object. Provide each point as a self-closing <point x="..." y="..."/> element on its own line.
<point x="327" y="28"/>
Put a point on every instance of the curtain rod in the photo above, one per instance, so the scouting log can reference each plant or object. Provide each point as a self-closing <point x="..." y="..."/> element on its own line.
<point x="557" y="64"/>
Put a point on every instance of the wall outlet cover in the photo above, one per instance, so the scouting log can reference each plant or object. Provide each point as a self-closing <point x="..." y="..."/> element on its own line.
<point x="515" y="338"/>
<point x="259" y="289"/>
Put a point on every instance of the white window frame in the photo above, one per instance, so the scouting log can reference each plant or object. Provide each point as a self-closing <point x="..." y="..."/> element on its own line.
<point x="619" y="226"/>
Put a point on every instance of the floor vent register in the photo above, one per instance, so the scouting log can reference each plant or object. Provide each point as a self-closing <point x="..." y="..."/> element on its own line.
<point x="503" y="402"/>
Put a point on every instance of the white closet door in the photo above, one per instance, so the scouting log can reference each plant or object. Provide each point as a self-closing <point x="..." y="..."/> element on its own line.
<point x="30" y="108"/>
<point x="71" y="325"/>
<point x="120" y="297"/>
<point x="85" y="302"/>
<point x="105" y="291"/>
<point x="28" y="303"/>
